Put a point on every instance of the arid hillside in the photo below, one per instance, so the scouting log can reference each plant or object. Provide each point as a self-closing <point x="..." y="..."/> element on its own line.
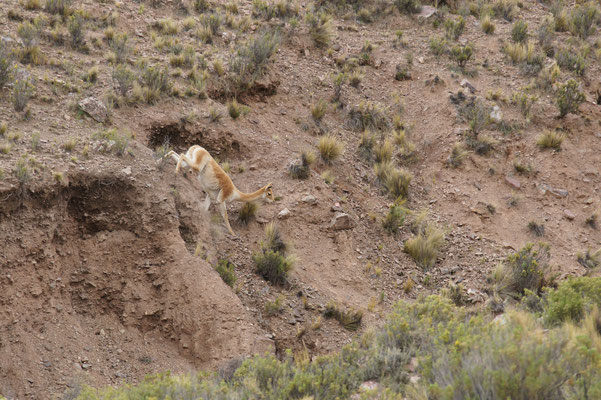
<point x="411" y="150"/>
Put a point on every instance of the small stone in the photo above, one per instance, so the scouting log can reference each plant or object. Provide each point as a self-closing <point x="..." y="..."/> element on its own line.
<point x="420" y="60"/>
<point x="336" y="207"/>
<point x="466" y="84"/>
<point x="569" y="214"/>
<point x="126" y="170"/>
<point x="511" y="181"/>
<point x="369" y="385"/>
<point x="341" y="221"/>
<point x="309" y="199"/>
<point x="285" y="213"/>
<point x="426" y="12"/>
<point x="94" y="108"/>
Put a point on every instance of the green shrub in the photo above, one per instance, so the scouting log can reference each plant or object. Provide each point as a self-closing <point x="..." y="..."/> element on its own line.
<point x="526" y="269"/>
<point x="211" y="22"/>
<point x="383" y="151"/>
<point x="524" y="102"/>
<point x="271" y="261"/>
<point x="23" y="89"/>
<point x="76" y="27"/>
<point x="454" y="28"/>
<point x="394" y="219"/>
<point x="571" y="60"/>
<point x="123" y="79"/>
<point x="5" y="65"/>
<point x="251" y="60"/>
<point x="568" y="98"/>
<point x="407" y="6"/>
<point x="234" y="109"/>
<point x="425" y="246"/>
<point x="119" y="46"/>
<point x="571" y="300"/>
<point x="462" y="54"/>
<point x="22" y="172"/>
<point x="438" y="45"/>
<point x="201" y="5"/>
<point x="226" y="270"/>
<point x="546" y="34"/>
<point x="113" y="140"/>
<point x="583" y="20"/>
<point x="519" y="31"/>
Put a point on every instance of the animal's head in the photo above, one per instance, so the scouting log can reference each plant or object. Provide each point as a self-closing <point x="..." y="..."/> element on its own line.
<point x="269" y="192"/>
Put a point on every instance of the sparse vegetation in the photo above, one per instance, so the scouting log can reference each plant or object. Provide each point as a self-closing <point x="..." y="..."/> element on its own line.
<point x="583" y="20"/>
<point x="272" y="261"/>
<point x="318" y="110"/>
<point x="320" y="28"/>
<point x="550" y="140"/>
<point x="329" y="149"/>
<point x="526" y="269"/>
<point x="454" y="28"/>
<point x="227" y="271"/>
<point x="506" y="9"/>
<point x="458" y="154"/>
<point x="407" y="6"/>
<point x="350" y="320"/>
<point x="590" y="259"/>
<point x="438" y="45"/>
<point x="113" y="140"/>
<point x="462" y="54"/>
<point x="251" y="60"/>
<point x="571" y="60"/>
<point x="22" y="91"/>
<point x="76" y="27"/>
<point x="394" y="219"/>
<point x="536" y="228"/>
<point x="61" y="7"/>
<point x="487" y="25"/>
<point x="368" y="115"/>
<point x="526" y="55"/>
<point x="425" y="246"/>
<point x="5" y="65"/>
<point x="302" y="169"/>
<point x="22" y="172"/>
<point x="247" y="212"/>
<point x="568" y="98"/>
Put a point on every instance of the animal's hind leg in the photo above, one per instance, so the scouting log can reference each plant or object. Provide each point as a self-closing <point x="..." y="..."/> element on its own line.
<point x="173" y="155"/>
<point x="207" y="202"/>
<point x="223" y="210"/>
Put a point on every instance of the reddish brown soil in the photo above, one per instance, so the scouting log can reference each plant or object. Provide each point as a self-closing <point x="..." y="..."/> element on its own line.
<point x="108" y="275"/>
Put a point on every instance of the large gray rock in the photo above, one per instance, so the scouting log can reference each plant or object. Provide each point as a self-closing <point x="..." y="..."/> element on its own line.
<point x="341" y="221"/>
<point x="94" y="108"/>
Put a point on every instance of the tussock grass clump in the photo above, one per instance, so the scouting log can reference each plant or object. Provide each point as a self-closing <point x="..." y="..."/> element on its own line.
<point x="368" y="115"/>
<point x="32" y="5"/>
<point x="226" y="270"/>
<point x="394" y="219"/>
<point x="62" y="7"/>
<point x="154" y="82"/>
<point x="583" y="20"/>
<point x="569" y="97"/>
<point x="349" y="319"/>
<point x="506" y="9"/>
<point x="91" y="75"/>
<point x="397" y="181"/>
<point x="458" y="154"/>
<point x="302" y="169"/>
<point x="212" y="22"/>
<point x="274" y="307"/>
<point x="119" y="47"/>
<point x="455" y="293"/>
<point x="530" y="58"/>
<point x="329" y="149"/>
<point x="590" y="259"/>
<point x="366" y="145"/>
<point x="3" y="128"/>
<point x="166" y="26"/>
<point x="454" y="28"/>
<point x="383" y="151"/>
<point x="524" y="101"/>
<point x="526" y="269"/>
<point x="321" y="29"/>
<point x="550" y="140"/>
<point x="233" y="109"/>
<point x="519" y="31"/>
<point x="30" y="36"/>
<point x="425" y="246"/>
<point x="487" y="25"/>
<point x="536" y="228"/>
<point x="547" y="77"/>
<point x="247" y="212"/>
<point x="271" y="261"/>
<point x="546" y="34"/>
<point x="318" y="110"/>
<point x="590" y="221"/>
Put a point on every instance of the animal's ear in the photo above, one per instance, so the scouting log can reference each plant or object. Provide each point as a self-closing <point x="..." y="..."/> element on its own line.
<point x="269" y="185"/>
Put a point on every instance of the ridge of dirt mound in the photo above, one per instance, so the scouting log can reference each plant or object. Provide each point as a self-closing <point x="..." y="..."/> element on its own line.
<point x="96" y="277"/>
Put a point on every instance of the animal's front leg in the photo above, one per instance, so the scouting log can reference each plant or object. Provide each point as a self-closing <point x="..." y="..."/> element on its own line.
<point x="223" y="210"/>
<point x="207" y="202"/>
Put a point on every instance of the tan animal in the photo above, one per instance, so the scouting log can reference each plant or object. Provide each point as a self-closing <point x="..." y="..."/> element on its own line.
<point x="215" y="182"/>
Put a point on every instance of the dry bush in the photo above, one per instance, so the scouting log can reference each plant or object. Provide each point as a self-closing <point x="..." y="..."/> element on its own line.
<point x="350" y="320"/>
<point x="329" y="149"/>
<point x="425" y="246"/>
